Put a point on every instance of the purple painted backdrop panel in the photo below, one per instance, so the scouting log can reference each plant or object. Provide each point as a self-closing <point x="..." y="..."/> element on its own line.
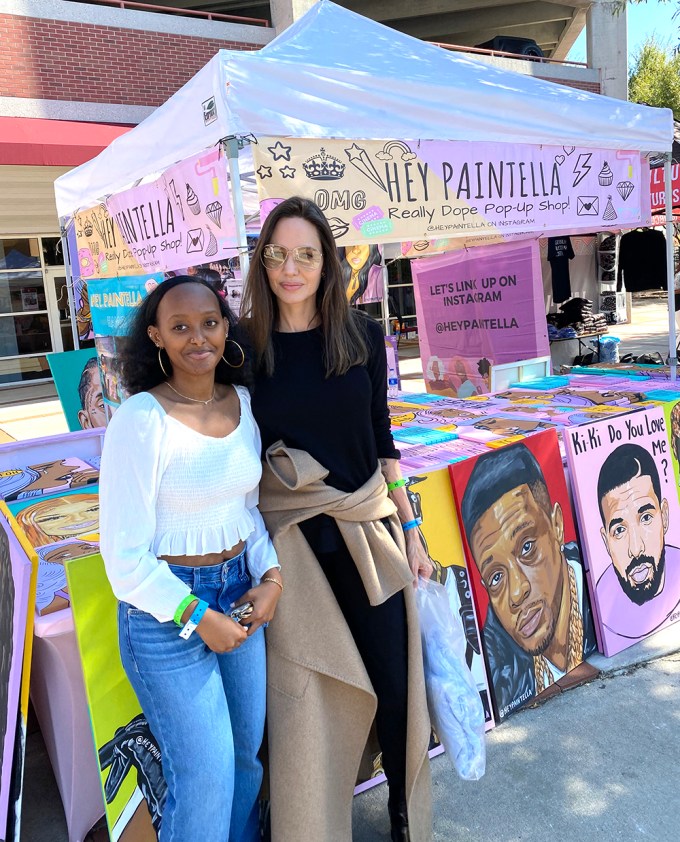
<point x="12" y="561"/>
<point x="477" y="305"/>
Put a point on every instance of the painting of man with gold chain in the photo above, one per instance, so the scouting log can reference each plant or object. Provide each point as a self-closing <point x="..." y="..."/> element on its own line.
<point x="525" y="567"/>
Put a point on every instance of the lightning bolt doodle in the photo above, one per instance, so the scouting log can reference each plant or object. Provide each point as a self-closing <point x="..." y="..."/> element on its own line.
<point x="582" y="167"/>
<point x="176" y="198"/>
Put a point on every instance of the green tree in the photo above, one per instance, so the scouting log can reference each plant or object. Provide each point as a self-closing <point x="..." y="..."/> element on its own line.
<point x="655" y="77"/>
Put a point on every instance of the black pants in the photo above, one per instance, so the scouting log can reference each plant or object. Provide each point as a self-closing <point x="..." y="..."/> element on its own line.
<point x="380" y="634"/>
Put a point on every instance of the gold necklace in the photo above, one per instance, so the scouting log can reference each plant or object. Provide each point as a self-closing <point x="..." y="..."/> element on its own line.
<point x="542" y="671"/>
<point x="187" y="398"/>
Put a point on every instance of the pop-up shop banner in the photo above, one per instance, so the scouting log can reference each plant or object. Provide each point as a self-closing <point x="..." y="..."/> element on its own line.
<point x="183" y="218"/>
<point x="425" y="248"/>
<point x="113" y="301"/>
<point x="378" y="192"/>
<point x="478" y="308"/>
<point x="102" y="252"/>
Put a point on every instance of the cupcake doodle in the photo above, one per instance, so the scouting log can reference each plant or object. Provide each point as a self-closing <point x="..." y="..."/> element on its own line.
<point x="192" y="201"/>
<point x="606" y="176"/>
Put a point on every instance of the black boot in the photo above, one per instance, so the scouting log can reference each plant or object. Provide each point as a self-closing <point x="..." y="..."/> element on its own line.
<point x="398" y="819"/>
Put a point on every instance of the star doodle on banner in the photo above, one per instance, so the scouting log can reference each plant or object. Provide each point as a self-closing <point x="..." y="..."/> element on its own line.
<point x="264" y="172"/>
<point x="287" y="172"/>
<point x="359" y="158"/>
<point x="280" y="152"/>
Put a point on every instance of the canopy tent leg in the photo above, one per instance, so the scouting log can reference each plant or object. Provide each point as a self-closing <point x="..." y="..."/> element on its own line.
<point x="69" y="261"/>
<point x="670" y="268"/>
<point x="233" y="145"/>
<point x="385" y="300"/>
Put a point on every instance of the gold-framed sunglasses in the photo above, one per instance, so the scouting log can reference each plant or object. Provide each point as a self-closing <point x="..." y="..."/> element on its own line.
<point x="306" y="257"/>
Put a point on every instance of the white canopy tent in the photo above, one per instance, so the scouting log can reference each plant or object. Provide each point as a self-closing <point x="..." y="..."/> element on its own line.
<point x="336" y="74"/>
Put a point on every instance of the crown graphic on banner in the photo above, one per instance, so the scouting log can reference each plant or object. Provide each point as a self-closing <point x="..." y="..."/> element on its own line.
<point x="324" y="167"/>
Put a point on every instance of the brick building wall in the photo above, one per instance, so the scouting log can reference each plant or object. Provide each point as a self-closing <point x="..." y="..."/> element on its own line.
<point x="46" y="59"/>
<point x="592" y="87"/>
<point x="65" y="60"/>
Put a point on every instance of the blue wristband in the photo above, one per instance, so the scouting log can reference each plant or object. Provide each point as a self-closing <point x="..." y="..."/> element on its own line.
<point x="190" y="625"/>
<point x="411" y="524"/>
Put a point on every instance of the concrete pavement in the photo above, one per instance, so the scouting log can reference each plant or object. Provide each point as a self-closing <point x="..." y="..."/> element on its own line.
<point x="596" y="762"/>
<point x="32" y="420"/>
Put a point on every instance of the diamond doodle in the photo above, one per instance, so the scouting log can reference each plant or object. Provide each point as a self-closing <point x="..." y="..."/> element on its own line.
<point x="625" y="188"/>
<point x="214" y="211"/>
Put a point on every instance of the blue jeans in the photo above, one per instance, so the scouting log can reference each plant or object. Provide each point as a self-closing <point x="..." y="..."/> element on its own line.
<point x="205" y="710"/>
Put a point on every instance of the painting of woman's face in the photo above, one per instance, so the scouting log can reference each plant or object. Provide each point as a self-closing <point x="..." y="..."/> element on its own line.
<point x="61" y="517"/>
<point x="356" y="256"/>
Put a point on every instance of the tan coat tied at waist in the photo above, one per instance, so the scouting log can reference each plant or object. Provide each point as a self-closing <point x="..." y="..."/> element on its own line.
<point x="320" y="702"/>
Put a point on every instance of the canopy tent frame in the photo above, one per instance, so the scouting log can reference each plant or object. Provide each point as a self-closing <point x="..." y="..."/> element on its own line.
<point x="333" y="70"/>
<point x="232" y="145"/>
<point x="670" y="268"/>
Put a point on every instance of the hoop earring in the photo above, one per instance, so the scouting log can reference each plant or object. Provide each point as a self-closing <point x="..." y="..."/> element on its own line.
<point x="243" y="356"/>
<point x="160" y="362"/>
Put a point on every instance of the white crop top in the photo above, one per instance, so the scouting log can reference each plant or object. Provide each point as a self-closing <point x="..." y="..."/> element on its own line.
<point x="167" y="490"/>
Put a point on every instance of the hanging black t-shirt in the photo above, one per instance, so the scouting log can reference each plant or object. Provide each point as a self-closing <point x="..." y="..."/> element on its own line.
<point x="642" y="260"/>
<point x="560" y="253"/>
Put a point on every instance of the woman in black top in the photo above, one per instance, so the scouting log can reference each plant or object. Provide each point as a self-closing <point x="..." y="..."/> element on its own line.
<point x="321" y="386"/>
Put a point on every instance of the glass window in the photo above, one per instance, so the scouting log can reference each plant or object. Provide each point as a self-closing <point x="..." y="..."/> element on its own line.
<point x="26" y="334"/>
<point x="402" y="301"/>
<point x="399" y="272"/>
<point x="23" y="369"/>
<point x="19" y="254"/>
<point x="22" y="292"/>
<point x="373" y="309"/>
<point x="52" y="251"/>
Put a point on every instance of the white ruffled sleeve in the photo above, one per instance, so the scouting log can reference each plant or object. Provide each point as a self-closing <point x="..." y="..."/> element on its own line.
<point x="131" y="469"/>
<point x="260" y="553"/>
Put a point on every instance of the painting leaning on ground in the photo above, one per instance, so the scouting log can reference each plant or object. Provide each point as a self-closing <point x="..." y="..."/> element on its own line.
<point x="6" y="635"/>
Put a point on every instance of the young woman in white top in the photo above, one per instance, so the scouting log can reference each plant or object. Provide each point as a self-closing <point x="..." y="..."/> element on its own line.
<point x="185" y="546"/>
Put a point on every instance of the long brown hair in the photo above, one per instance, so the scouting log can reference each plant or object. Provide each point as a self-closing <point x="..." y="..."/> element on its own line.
<point x="344" y="339"/>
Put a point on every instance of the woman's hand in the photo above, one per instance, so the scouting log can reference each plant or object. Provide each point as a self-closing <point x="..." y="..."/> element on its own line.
<point x="416" y="553"/>
<point x="219" y="632"/>
<point x="264" y="598"/>
<point x="418" y="559"/>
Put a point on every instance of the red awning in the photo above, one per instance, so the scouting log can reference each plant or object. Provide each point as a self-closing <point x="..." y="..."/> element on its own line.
<point x="53" y="143"/>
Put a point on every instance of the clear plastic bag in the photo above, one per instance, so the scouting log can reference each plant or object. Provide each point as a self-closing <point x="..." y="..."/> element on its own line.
<point x="456" y="710"/>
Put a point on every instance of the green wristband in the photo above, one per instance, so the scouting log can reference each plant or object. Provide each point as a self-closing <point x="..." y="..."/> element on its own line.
<point x="398" y="483"/>
<point x="181" y="608"/>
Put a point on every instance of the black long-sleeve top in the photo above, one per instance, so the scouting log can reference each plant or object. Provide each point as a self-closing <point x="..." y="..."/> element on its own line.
<point x="342" y="421"/>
